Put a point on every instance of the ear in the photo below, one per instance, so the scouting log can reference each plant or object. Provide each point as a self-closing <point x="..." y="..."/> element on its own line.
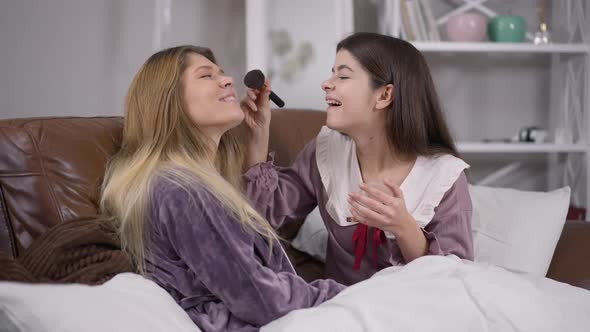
<point x="385" y="96"/>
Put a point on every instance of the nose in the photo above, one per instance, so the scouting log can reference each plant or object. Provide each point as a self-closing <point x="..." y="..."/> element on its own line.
<point x="327" y="85"/>
<point x="226" y="82"/>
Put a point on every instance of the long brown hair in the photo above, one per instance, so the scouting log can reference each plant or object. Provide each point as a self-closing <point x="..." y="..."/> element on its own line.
<point x="160" y="139"/>
<point x="415" y="124"/>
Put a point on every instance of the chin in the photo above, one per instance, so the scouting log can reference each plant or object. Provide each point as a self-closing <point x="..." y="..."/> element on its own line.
<point x="235" y="116"/>
<point x="334" y="123"/>
<point x="229" y="122"/>
<point x="236" y="120"/>
<point x="240" y="116"/>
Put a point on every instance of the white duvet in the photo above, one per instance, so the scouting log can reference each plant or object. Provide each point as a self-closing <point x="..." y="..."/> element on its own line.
<point x="437" y="293"/>
<point x="432" y="293"/>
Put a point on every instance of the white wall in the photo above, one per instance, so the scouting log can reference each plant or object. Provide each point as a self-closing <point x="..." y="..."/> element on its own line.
<point x="53" y="57"/>
<point x="77" y="57"/>
<point x="306" y="21"/>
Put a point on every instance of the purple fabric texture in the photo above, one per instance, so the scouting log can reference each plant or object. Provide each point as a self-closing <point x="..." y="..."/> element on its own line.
<point x="219" y="272"/>
<point x="285" y="194"/>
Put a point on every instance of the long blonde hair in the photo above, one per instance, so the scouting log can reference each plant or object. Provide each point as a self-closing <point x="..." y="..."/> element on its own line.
<point x="160" y="138"/>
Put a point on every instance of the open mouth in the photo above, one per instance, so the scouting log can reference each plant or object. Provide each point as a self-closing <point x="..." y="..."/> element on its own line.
<point x="228" y="99"/>
<point x="333" y="102"/>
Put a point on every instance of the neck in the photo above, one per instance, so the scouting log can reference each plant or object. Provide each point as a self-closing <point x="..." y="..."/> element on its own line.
<point x="375" y="154"/>
<point x="214" y="139"/>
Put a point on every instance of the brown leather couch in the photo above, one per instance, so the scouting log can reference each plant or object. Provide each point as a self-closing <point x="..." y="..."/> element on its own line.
<point x="51" y="170"/>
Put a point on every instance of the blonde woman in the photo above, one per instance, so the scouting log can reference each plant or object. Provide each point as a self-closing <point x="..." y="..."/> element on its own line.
<point x="174" y="191"/>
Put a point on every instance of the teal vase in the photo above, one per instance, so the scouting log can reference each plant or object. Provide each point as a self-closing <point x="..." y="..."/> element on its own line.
<point x="507" y="29"/>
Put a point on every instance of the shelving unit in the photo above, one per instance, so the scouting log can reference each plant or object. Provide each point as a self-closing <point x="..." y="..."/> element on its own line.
<point x="433" y="47"/>
<point x="479" y="147"/>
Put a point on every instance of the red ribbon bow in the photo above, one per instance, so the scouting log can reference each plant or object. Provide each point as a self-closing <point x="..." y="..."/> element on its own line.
<point x="360" y="239"/>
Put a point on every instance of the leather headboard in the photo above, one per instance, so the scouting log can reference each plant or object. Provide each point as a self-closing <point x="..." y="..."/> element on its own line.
<point x="50" y="171"/>
<point x="290" y="130"/>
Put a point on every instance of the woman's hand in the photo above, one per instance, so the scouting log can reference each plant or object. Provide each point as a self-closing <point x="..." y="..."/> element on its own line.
<point x="387" y="211"/>
<point x="378" y="208"/>
<point x="256" y="107"/>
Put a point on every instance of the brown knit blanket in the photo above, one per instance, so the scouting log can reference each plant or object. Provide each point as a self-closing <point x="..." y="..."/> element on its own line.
<point x="85" y="251"/>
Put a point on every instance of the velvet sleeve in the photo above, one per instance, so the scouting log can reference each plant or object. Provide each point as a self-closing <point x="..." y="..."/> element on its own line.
<point x="283" y="194"/>
<point x="449" y="232"/>
<point x="221" y="253"/>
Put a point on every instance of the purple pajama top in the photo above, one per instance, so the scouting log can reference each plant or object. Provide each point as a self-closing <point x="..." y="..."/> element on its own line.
<point x="285" y="194"/>
<point x="219" y="272"/>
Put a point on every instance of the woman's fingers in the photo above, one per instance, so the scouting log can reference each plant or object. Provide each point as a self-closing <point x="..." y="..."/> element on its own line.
<point x="267" y="87"/>
<point x="368" y="202"/>
<point x="376" y="194"/>
<point x="251" y="94"/>
<point x="252" y="105"/>
<point x="367" y="216"/>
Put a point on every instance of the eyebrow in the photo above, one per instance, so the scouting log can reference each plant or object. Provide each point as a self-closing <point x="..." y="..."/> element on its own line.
<point x="343" y="67"/>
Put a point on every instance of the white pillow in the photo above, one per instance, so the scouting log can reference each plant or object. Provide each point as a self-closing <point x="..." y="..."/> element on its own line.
<point x="128" y="302"/>
<point x="517" y="230"/>
<point x="312" y="237"/>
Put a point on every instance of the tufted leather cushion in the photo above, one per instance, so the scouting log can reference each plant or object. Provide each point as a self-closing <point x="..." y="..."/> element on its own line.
<point x="50" y="171"/>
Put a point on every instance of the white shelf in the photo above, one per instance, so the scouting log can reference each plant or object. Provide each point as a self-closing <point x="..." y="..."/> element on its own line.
<point x="479" y="147"/>
<point x="502" y="47"/>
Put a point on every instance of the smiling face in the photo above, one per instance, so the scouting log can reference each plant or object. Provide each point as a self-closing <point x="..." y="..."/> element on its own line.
<point x="209" y="97"/>
<point x="349" y="95"/>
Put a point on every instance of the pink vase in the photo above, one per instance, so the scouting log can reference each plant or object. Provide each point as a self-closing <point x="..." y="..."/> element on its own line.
<point x="466" y="27"/>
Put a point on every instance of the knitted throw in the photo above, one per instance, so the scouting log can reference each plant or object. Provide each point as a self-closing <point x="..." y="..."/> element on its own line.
<point x="85" y="251"/>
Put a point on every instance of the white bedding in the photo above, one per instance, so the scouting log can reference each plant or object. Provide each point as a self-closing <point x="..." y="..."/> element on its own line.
<point x="436" y="293"/>
<point x="127" y="302"/>
<point x="432" y="293"/>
